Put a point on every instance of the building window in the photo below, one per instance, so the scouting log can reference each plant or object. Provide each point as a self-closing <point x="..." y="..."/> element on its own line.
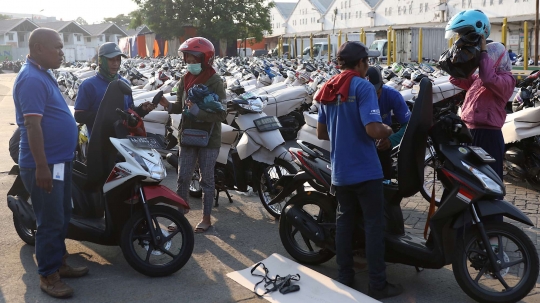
<point x="66" y="38"/>
<point x="100" y="38"/>
<point x="399" y="10"/>
<point x="470" y="3"/>
<point x="500" y="1"/>
<point x="349" y="15"/>
<point x="422" y="7"/>
<point x="410" y="8"/>
<point x="341" y="16"/>
<point x="356" y="14"/>
<point x="88" y="39"/>
<point x="21" y="37"/>
<point x="341" y="5"/>
<point x="10" y="37"/>
<point x="462" y="4"/>
<point x="425" y="7"/>
<point x="386" y="11"/>
<point x="404" y="10"/>
<point x="390" y="11"/>
<point x="360" y="14"/>
<point x="78" y="38"/>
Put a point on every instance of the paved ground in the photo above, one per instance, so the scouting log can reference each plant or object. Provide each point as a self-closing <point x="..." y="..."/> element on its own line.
<point x="243" y="234"/>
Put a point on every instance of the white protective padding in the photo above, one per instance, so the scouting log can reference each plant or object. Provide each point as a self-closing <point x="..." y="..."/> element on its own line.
<point x="265" y="156"/>
<point x="269" y="140"/>
<point x="228" y="134"/>
<point x="311" y="119"/>
<point x="223" y="153"/>
<point x="309" y="134"/>
<point x="521" y="125"/>
<point x="440" y="92"/>
<point x="284" y="101"/>
<point x="314" y="287"/>
<point x="157" y="117"/>
<point x="155" y="128"/>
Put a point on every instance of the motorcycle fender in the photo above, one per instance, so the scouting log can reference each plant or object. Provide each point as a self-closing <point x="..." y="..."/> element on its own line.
<point x="494" y="207"/>
<point x="290" y="183"/>
<point x="22" y="210"/>
<point x="263" y="155"/>
<point x="161" y="194"/>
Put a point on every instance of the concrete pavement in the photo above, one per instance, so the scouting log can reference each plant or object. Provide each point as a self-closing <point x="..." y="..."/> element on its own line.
<point x="243" y="234"/>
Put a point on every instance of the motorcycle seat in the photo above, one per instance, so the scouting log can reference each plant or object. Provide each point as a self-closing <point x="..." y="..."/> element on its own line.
<point x="311" y="119"/>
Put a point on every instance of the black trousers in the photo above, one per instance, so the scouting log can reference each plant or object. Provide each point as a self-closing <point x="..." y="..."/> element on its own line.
<point x="385" y="156"/>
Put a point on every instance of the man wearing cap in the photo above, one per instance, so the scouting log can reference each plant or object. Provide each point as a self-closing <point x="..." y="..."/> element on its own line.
<point x="92" y="90"/>
<point x="391" y="102"/>
<point x="349" y="117"/>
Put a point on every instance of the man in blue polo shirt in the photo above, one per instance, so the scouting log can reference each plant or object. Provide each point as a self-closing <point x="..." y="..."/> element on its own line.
<point x="47" y="144"/>
<point x="350" y="118"/>
<point x="391" y="102"/>
<point x="92" y="90"/>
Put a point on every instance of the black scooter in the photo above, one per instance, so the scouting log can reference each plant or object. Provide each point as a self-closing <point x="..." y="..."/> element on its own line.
<point x="492" y="261"/>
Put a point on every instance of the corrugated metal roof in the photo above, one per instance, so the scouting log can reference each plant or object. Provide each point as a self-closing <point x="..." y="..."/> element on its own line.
<point x="322" y="5"/>
<point x="17" y="25"/>
<point x="285" y="8"/>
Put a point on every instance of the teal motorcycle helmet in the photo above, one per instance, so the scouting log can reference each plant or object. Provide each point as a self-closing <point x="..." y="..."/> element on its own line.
<point x="465" y="22"/>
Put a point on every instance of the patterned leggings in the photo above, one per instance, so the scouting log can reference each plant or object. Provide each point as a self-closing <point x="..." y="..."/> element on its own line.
<point x="206" y="157"/>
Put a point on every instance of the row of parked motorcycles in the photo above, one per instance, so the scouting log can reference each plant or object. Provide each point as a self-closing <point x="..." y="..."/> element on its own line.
<point x="14" y="66"/>
<point x="270" y="101"/>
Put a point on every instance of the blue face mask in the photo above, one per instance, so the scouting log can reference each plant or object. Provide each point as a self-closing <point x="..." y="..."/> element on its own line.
<point x="194" y="69"/>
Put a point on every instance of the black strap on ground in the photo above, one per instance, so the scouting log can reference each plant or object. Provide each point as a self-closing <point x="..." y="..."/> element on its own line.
<point x="282" y="284"/>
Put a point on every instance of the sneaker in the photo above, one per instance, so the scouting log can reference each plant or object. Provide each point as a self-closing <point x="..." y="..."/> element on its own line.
<point x="390" y="290"/>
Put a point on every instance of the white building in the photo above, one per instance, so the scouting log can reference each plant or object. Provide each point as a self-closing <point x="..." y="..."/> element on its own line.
<point x="103" y="32"/>
<point x="73" y="36"/>
<point x="14" y="34"/>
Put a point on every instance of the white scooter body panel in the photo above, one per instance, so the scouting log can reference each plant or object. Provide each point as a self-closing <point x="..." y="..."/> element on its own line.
<point x="440" y="92"/>
<point x="269" y="140"/>
<point x="521" y="125"/>
<point x="124" y="171"/>
<point x="308" y="132"/>
<point x="282" y="102"/>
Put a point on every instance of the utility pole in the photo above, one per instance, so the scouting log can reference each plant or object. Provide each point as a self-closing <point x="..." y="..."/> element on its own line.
<point x="536" y="35"/>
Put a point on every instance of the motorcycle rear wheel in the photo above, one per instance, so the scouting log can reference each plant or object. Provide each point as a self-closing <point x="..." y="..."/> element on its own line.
<point x="272" y="173"/>
<point x="140" y="252"/>
<point x="518" y="254"/>
<point x="297" y="244"/>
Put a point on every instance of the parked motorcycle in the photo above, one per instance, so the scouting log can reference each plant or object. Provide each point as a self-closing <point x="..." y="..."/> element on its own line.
<point x="251" y="156"/>
<point x="460" y="231"/>
<point x="115" y="195"/>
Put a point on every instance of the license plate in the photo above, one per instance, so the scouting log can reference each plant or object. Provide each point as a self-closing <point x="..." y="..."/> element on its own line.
<point x="144" y="142"/>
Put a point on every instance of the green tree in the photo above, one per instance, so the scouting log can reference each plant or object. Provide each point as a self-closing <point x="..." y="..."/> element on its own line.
<point x="215" y="19"/>
<point x="4" y="17"/>
<point x="128" y="20"/>
<point x="81" y="21"/>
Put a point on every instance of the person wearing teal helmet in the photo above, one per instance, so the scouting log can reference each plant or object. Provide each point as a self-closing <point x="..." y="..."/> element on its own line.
<point x="468" y="21"/>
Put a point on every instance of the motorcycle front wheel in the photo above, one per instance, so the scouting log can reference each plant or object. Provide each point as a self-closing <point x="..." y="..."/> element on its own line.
<point x="297" y="244"/>
<point x="172" y="249"/>
<point x="516" y="255"/>
<point x="268" y="177"/>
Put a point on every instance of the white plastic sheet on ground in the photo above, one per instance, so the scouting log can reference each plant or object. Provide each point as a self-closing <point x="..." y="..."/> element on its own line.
<point x="314" y="287"/>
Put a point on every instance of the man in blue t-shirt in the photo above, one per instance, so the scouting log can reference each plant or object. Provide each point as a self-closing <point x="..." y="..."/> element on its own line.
<point x="47" y="145"/>
<point x="350" y="118"/>
<point x="512" y="55"/>
<point x="92" y="90"/>
<point x="391" y="102"/>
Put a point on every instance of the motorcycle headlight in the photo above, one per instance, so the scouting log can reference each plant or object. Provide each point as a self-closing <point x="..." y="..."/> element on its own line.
<point x="486" y="181"/>
<point x="137" y="157"/>
<point x="157" y="170"/>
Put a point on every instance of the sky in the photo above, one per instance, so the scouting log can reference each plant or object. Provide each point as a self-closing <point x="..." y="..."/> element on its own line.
<point x="93" y="11"/>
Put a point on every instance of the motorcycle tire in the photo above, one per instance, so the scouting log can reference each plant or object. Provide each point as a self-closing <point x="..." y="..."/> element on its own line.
<point x="287" y="231"/>
<point x="426" y="189"/>
<point x="137" y="223"/>
<point x="528" y="253"/>
<point x="26" y="234"/>
<point x="285" y="167"/>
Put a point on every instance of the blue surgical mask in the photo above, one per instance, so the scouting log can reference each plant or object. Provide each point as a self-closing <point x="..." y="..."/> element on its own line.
<point x="194" y="69"/>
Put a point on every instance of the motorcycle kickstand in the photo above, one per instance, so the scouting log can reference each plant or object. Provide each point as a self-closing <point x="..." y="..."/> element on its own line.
<point x="419" y="269"/>
<point x="216" y="204"/>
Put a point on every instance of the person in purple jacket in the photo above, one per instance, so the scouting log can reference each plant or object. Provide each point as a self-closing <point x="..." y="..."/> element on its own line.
<point x="483" y="110"/>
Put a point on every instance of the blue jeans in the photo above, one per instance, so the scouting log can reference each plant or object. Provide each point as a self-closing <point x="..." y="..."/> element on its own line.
<point x="369" y="197"/>
<point x="53" y="212"/>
